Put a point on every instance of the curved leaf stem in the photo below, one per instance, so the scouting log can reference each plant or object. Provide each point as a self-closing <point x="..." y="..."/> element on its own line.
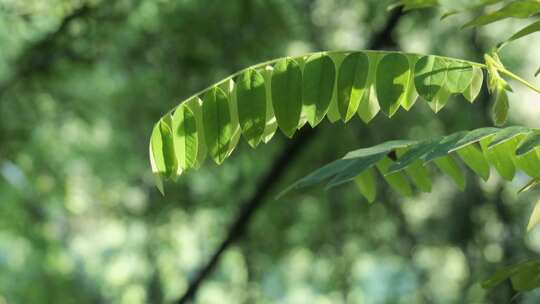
<point x="519" y="79"/>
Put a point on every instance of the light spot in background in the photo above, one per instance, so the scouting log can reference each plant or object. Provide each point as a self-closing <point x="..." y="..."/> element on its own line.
<point x="493" y="253"/>
<point x="14" y="175"/>
<point x="374" y="277"/>
<point x="14" y="251"/>
<point x="134" y="294"/>
<point x="447" y="269"/>
<point x="297" y="47"/>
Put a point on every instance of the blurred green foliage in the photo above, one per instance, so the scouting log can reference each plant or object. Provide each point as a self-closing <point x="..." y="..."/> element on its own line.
<point x="81" y="83"/>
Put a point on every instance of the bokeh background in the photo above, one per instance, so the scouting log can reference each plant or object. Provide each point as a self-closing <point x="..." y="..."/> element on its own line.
<point x="81" y="84"/>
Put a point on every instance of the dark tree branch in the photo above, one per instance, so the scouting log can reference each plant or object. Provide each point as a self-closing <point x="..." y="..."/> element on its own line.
<point x="381" y="39"/>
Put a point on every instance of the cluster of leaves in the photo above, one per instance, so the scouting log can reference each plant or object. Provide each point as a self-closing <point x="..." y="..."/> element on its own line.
<point x="524" y="276"/>
<point x="506" y="150"/>
<point x="290" y="92"/>
<point x="519" y="9"/>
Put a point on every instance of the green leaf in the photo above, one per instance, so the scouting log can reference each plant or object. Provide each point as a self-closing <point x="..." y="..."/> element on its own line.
<point x="413" y="156"/>
<point x="507" y="134"/>
<point x="217" y="123"/>
<point x="271" y="122"/>
<point x="393" y="76"/>
<point x="348" y="167"/>
<point x="430" y="76"/>
<point x="440" y="100"/>
<point x="449" y="167"/>
<point x="369" y="105"/>
<point x="320" y="175"/>
<point x="537" y="72"/>
<point x="366" y="185"/>
<point x="251" y="101"/>
<point x="472" y="91"/>
<point x="500" y="107"/>
<point x="516" y="9"/>
<point x="529" y="143"/>
<point x="475" y="160"/>
<point x="357" y="166"/>
<point x="397" y="180"/>
<point x="529" y="29"/>
<point x="531" y="184"/>
<point x="287" y="95"/>
<point x="165" y="128"/>
<point x="229" y="87"/>
<point x="474" y="136"/>
<point x="526" y="279"/>
<point x="459" y="76"/>
<point x="418" y="174"/>
<point x="528" y="163"/>
<point x="157" y="161"/>
<point x="351" y="83"/>
<point x="186" y="140"/>
<point x="364" y="159"/>
<point x="456" y="141"/>
<point x="410" y="95"/>
<point x="318" y="87"/>
<point x="414" y="153"/>
<point x="510" y="271"/>
<point x="500" y="157"/>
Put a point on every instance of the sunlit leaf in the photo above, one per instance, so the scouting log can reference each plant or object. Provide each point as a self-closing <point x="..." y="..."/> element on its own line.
<point x="430" y="76"/>
<point x="251" y="101"/>
<point x="351" y="83"/>
<point x="217" y="123"/>
<point x="459" y="76"/>
<point x="411" y="95"/>
<point x="366" y="185"/>
<point x="529" y="143"/>
<point x="500" y="157"/>
<point x="186" y="140"/>
<point x="318" y="86"/>
<point x="369" y="105"/>
<point x="474" y="159"/>
<point x="393" y="76"/>
<point x="289" y="92"/>
<point x="472" y="91"/>
<point x="416" y="171"/>
<point x="449" y="167"/>
<point x="287" y="95"/>
<point x="500" y="107"/>
<point x="507" y="134"/>
<point x="397" y="180"/>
